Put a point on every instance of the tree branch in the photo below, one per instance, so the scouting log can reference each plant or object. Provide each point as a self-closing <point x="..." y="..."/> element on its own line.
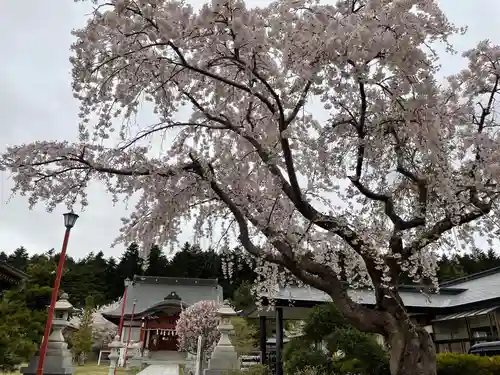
<point x="87" y="165"/>
<point x="444" y="225"/>
<point x="304" y="268"/>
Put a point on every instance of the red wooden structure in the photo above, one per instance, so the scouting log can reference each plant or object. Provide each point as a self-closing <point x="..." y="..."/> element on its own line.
<point x="158" y="332"/>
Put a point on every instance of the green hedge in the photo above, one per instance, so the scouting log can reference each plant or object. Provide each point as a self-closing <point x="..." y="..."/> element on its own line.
<point x="467" y="364"/>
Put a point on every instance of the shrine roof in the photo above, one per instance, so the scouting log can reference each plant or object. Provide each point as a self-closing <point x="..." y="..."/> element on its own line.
<point x="174" y="281"/>
<point x="150" y="292"/>
<point x="11" y="274"/>
<point x="478" y="289"/>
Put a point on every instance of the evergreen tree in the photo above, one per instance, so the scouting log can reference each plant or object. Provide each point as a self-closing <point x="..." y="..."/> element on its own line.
<point x="361" y="353"/>
<point x="450" y="269"/>
<point x="15" y="345"/>
<point x="19" y="259"/>
<point x="192" y="262"/>
<point x="42" y="272"/>
<point x="113" y="292"/>
<point x="130" y="265"/>
<point x="242" y="297"/>
<point x="23" y="314"/>
<point x="97" y="267"/>
<point x="157" y="263"/>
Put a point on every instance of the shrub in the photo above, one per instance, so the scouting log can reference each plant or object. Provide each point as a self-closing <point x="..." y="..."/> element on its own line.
<point x="252" y="370"/>
<point x="257" y="370"/>
<point x="311" y="370"/>
<point x="362" y="354"/>
<point x="299" y="355"/>
<point x="467" y="364"/>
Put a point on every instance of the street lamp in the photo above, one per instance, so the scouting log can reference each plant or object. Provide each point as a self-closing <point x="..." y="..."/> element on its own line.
<point x="69" y="221"/>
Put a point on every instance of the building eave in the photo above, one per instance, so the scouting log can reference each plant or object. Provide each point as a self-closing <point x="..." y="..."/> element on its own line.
<point x="172" y="281"/>
<point x="12" y="272"/>
<point x="115" y="315"/>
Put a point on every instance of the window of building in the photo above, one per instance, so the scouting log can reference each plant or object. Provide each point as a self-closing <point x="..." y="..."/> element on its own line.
<point x="480" y="334"/>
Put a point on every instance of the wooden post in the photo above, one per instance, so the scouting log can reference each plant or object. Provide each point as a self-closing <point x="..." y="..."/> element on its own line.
<point x="495" y="315"/>
<point x="142" y="333"/>
<point x="279" y="341"/>
<point x="491" y="325"/>
<point x="148" y="336"/>
<point x="469" y="333"/>
<point x="263" y="339"/>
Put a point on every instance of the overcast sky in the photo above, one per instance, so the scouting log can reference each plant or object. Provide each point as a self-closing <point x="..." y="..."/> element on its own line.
<point x="36" y="103"/>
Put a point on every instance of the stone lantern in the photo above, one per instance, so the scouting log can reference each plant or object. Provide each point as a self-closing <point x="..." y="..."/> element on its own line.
<point x="115" y="347"/>
<point x="224" y="357"/>
<point x="59" y="359"/>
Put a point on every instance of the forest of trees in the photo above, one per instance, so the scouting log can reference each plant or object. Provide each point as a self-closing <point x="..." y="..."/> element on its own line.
<point x="103" y="278"/>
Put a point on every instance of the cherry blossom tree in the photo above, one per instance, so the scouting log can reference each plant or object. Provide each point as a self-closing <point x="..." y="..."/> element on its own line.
<point x="400" y="165"/>
<point x="198" y="319"/>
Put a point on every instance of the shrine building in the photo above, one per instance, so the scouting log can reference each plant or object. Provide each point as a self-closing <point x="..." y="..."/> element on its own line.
<point x="9" y="276"/>
<point x="153" y="305"/>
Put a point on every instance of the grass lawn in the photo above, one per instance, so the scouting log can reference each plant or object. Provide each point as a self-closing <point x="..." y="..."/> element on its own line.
<point x="90" y="369"/>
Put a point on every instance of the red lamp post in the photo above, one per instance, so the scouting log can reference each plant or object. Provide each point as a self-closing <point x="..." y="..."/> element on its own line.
<point x="124" y="302"/>
<point x="129" y="332"/>
<point x="69" y="221"/>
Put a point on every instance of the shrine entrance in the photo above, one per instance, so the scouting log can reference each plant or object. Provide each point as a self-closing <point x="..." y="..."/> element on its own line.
<point x="163" y="341"/>
<point x="158" y="331"/>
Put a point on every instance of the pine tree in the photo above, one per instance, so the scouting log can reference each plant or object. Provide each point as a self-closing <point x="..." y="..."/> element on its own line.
<point x="19" y="259"/>
<point x="157" y="264"/>
<point x="130" y="264"/>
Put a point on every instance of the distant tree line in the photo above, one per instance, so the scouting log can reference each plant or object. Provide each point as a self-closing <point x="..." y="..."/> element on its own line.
<point x="103" y="277"/>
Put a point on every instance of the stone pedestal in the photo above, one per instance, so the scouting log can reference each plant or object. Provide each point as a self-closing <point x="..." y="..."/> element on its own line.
<point x="114" y="355"/>
<point x="58" y="360"/>
<point x="224" y="357"/>
<point x="134" y="361"/>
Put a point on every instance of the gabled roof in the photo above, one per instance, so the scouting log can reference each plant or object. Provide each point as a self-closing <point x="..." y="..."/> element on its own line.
<point x="11" y="274"/>
<point x="174" y="281"/>
<point x="474" y="276"/>
<point x="479" y="287"/>
<point x="149" y="292"/>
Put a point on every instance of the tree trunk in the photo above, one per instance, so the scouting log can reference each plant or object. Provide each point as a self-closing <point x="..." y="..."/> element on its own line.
<point x="412" y="352"/>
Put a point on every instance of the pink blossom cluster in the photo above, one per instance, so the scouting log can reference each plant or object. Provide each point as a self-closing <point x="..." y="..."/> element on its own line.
<point x="198" y="319"/>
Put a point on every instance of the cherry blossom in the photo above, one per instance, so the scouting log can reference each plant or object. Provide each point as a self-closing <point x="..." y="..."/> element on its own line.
<point x="199" y="319"/>
<point x="404" y="165"/>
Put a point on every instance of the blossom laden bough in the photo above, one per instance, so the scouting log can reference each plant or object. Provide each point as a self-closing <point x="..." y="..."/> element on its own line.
<point x="401" y="166"/>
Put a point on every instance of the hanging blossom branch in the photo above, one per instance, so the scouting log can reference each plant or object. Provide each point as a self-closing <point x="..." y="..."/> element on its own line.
<point x="366" y="196"/>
